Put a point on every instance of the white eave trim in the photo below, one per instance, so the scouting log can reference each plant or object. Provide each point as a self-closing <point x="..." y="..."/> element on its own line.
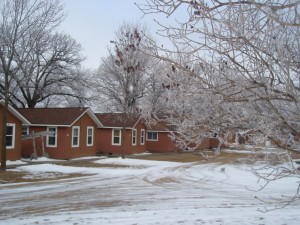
<point x="117" y="128"/>
<point x="159" y="131"/>
<point x="16" y="113"/>
<point x="137" y="122"/>
<point x="92" y="116"/>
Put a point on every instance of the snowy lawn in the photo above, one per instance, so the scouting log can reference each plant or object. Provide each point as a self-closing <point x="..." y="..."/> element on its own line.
<point x="146" y="192"/>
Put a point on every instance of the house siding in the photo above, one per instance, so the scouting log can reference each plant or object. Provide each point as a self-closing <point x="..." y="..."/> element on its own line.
<point x="12" y="153"/>
<point x="208" y="143"/>
<point x="61" y="151"/>
<point x="105" y="146"/>
<point x="64" y="149"/>
<point x="83" y="150"/>
<point x="163" y="144"/>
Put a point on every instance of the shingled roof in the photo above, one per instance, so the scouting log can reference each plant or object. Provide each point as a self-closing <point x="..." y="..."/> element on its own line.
<point x="117" y="120"/>
<point x="57" y="116"/>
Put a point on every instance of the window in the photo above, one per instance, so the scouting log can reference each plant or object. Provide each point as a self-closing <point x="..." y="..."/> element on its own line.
<point x="133" y="136"/>
<point x="142" y="136"/>
<point x="116" y="137"/>
<point x="10" y="135"/>
<point x="90" y="136"/>
<point x="52" y="138"/>
<point x="25" y="130"/>
<point x="75" y="136"/>
<point x="152" y="136"/>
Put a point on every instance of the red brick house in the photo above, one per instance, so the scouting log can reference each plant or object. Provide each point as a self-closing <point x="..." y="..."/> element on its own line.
<point x="158" y="138"/>
<point x="14" y="130"/>
<point x="62" y="133"/>
<point x="111" y="136"/>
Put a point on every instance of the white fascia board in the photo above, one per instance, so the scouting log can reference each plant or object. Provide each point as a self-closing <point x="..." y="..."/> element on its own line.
<point x="117" y="128"/>
<point x="137" y="122"/>
<point x="166" y="131"/>
<point x="91" y="115"/>
<point x="16" y="113"/>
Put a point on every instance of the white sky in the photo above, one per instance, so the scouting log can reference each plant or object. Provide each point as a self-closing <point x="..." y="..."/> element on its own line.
<point x="93" y="24"/>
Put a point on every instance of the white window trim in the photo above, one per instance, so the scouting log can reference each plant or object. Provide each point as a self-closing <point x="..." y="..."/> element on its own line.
<point x="13" y="135"/>
<point x="73" y="128"/>
<point x="152" y="139"/>
<point x="87" y="136"/>
<point x="47" y="144"/>
<point x="135" y="136"/>
<point x="112" y="140"/>
<point x="142" y="138"/>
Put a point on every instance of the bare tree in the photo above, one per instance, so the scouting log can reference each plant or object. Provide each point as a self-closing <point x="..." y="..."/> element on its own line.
<point x="48" y="70"/>
<point x="22" y="21"/>
<point x="122" y="76"/>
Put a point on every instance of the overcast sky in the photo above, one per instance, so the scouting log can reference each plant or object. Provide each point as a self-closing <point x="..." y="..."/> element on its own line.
<point x="93" y="24"/>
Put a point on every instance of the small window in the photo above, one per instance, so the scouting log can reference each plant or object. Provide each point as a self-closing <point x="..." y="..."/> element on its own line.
<point x="142" y="137"/>
<point x="152" y="136"/>
<point x="116" y="137"/>
<point x="90" y="136"/>
<point x="75" y="136"/>
<point x="10" y="136"/>
<point x="52" y="138"/>
<point x="25" y="130"/>
<point x="134" y="137"/>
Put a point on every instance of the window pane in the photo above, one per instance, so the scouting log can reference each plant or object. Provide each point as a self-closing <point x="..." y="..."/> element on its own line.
<point x="149" y="135"/>
<point x="142" y="137"/>
<point x="116" y="140"/>
<point x="51" y="141"/>
<point x="154" y="136"/>
<point x="116" y="133"/>
<point x="75" y="140"/>
<point x="75" y="132"/>
<point x="9" y="141"/>
<point x="9" y="130"/>
<point x="90" y="140"/>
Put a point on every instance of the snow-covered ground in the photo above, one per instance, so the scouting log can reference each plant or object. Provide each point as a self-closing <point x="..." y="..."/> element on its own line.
<point x="146" y="192"/>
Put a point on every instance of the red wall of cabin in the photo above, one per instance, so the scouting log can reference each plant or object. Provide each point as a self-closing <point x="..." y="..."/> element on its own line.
<point x="104" y="141"/>
<point x="64" y="149"/>
<point x="14" y="153"/>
